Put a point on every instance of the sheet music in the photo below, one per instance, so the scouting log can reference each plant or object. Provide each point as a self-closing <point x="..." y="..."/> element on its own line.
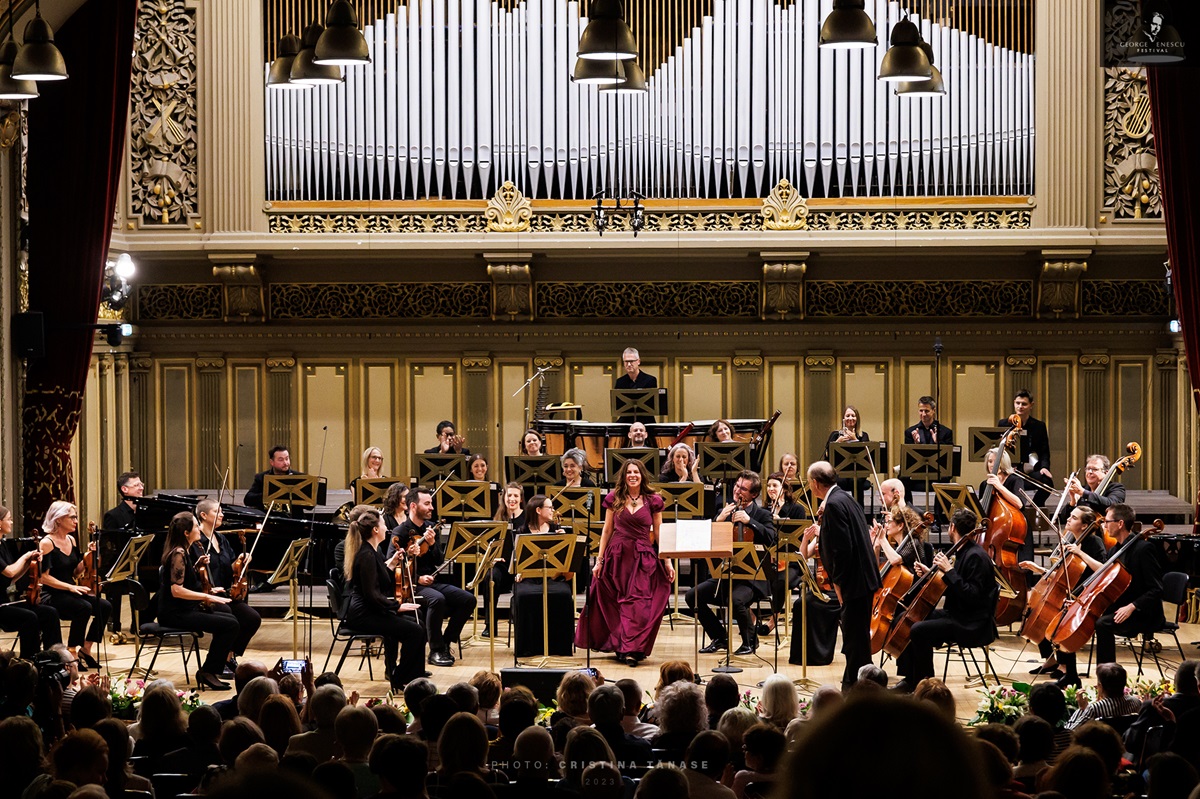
<point x="693" y="534"/>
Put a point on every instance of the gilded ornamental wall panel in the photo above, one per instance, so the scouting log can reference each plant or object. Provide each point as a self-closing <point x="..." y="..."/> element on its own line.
<point x="676" y="300"/>
<point x="918" y="298"/>
<point x="380" y="300"/>
<point x="178" y="302"/>
<point x="1108" y="298"/>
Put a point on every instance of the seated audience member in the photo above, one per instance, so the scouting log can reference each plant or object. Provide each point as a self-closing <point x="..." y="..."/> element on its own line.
<point x="584" y="746"/>
<point x="1078" y="773"/>
<point x="1170" y="777"/>
<point x="998" y="772"/>
<point x="630" y="722"/>
<point x="1037" y="746"/>
<point x="254" y="696"/>
<point x="204" y="729"/>
<point x="534" y="764"/>
<point x="1187" y="689"/>
<point x="326" y="703"/>
<point x="1106" y="742"/>
<point x="355" y="730"/>
<point x="720" y="694"/>
<point x="415" y="694"/>
<point x="933" y="690"/>
<point x="870" y="671"/>
<point x="258" y="757"/>
<point x="1111" y="700"/>
<point x="765" y="746"/>
<point x="1003" y="737"/>
<point x="399" y="763"/>
<point x="733" y="725"/>
<point x="825" y="700"/>
<point x="278" y="721"/>
<point x="81" y="757"/>
<point x="21" y="743"/>
<point x="681" y="717"/>
<point x="704" y="765"/>
<point x="571" y="699"/>
<point x="488" y="685"/>
<point x="435" y="712"/>
<point x="602" y="780"/>
<point x="664" y="781"/>
<point x="779" y="703"/>
<point x="336" y="779"/>
<point x="518" y="710"/>
<point x="162" y="725"/>
<point x="237" y="735"/>
<point x="89" y="707"/>
<point x="606" y="708"/>
<point x="462" y="749"/>
<point x="246" y="671"/>
<point x="120" y="776"/>
<point x="391" y="720"/>
<point x="1047" y="701"/>
<point x="299" y="763"/>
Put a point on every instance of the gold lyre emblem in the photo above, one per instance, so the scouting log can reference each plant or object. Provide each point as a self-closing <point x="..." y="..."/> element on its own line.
<point x="1137" y="121"/>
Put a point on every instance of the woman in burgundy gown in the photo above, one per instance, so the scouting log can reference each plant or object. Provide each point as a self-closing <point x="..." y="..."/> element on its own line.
<point x="630" y="585"/>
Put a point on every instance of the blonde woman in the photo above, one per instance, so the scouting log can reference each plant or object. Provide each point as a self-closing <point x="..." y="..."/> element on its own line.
<point x="62" y="561"/>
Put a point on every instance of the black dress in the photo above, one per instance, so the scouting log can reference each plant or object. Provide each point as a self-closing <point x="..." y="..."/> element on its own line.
<point x="370" y="610"/>
<point x="220" y="574"/>
<point x="527" y="613"/>
<point x="32" y="623"/>
<point x="498" y="577"/>
<point x="61" y="566"/>
<point x="190" y="614"/>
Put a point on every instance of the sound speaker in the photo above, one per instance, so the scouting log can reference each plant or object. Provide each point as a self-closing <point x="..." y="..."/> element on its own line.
<point x="543" y="682"/>
<point x="29" y="335"/>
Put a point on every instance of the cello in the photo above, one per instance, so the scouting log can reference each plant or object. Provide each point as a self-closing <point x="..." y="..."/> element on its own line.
<point x="1004" y="531"/>
<point x="896" y="581"/>
<point x="1073" y="627"/>
<point x="922" y="598"/>
<point x="1052" y="593"/>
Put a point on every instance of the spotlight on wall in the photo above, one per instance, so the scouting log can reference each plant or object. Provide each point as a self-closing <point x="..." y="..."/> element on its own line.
<point x="1174" y="327"/>
<point x="117" y="274"/>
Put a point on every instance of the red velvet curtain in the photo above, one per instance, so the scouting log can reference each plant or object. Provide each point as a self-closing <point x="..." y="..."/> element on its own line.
<point x="76" y="140"/>
<point x="1176" y="131"/>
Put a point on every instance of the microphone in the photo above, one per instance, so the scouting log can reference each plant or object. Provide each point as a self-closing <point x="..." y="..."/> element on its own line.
<point x="587" y="502"/>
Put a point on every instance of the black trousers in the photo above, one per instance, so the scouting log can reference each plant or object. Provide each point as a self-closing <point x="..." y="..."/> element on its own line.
<point x="856" y="636"/>
<point x="501" y="582"/>
<point x="704" y="596"/>
<point x="400" y="631"/>
<point x="449" y="603"/>
<point x="780" y="592"/>
<point x="219" y="622"/>
<point x="248" y="621"/>
<point x="31" y="623"/>
<point x="1107" y="631"/>
<point x="78" y="609"/>
<point x="916" y="661"/>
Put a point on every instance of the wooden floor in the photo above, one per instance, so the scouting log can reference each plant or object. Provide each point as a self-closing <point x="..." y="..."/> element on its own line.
<point x="1010" y="656"/>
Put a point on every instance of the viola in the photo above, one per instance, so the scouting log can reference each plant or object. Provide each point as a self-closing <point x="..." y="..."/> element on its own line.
<point x="920" y="600"/>
<point x="1073" y="627"/>
<point x="1004" y="533"/>
<point x="1051" y="594"/>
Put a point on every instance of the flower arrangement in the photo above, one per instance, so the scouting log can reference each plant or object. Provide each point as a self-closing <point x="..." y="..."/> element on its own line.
<point x="395" y="700"/>
<point x="805" y="706"/>
<point x="127" y="695"/>
<point x="1146" y="688"/>
<point x="750" y="702"/>
<point x="544" y="713"/>
<point x="1001" y="705"/>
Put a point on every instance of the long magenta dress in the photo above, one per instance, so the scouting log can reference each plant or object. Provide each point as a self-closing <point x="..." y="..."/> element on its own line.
<point x="626" y="602"/>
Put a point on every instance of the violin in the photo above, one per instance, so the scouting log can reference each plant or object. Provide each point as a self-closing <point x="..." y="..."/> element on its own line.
<point x="33" y="592"/>
<point x="85" y="572"/>
<point x="1073" y="627"/>
<point x="896" y="580"/>
<point x="1004" y="533"/>
<point x="920" y="600"/>
<point x="819" y="572"/>
<point x="405" y="588"/>
<point x="240" y="586"/>
<point x="1053" y="592"/>
<point x="206" y="586"/>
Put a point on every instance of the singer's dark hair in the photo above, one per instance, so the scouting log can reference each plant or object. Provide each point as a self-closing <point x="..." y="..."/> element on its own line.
<point x="620" y="494"/>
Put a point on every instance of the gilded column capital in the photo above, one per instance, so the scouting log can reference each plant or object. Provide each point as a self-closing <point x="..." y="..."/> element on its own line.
<point x="476" y="362"/>
<point x="1058" y="283"/>
<point x="105" y="362"/>
<point x="553" y="361"/>
<point x="747" y="361"/>
<point x="783" y="285"/>
<point x="819" y="361"/>
<point x="242" y="295"/>
<point x="512" y="285"/>
<point x="281" y="363"/>
<point x="120" y="364"/>
<point x="140" y="362"/>
<point x="1094" y="360"/>
<point x="210" y="362"/>
<point x="1167" y="359"/>
<point x="1021" y="360"/>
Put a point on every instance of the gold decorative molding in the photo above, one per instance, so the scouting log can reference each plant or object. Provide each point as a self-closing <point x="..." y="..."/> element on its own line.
<point x="210" y="363"/>
<point x="1166" y="359"/>
<point x="784" y="208"/>
<point x="140" y="362"/>
<point x="178" y="302"/>
<point x="402" y="301"/>
<point x="1126" y="298"/>
<point x="1131" y="180"/>
<point x="551" y="362"/>
<point x="1094" y="360"/>
<point x="917" y="298"/>
<point x="747" y="361"/>
<point x="1021" y="361"/>
<point x="508" y="211"/>
<point x="783" y="285"/>
<point x="280" y="363"/>
<point x="647" y="300"/>
<point x="11" y="126"/>
<point x="819" y="361"/>
<point x="1058" y="283"/>
<point x="512" y="285"/>
<point x="242" y="287"/>
<point x="476" y="362"/>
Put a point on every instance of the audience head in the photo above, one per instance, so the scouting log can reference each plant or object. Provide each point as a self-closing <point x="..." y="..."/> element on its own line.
<point x="708" y="753"/>
<point x="681" y="709"/>
<point x="720" y="694"/>
<point x="89" y="706"/>
<point x="1103" y="740"/>
<point x="826" y="698"/>
<point x="237" y="735"/>
<point x="435" y="712"/>
<point x="254" y="696"/>
<point x="246" y="671"/>
<point x="633" y="695"/>
<point x="257" y="757"/>
<point x="1186" y="679"/>
<point x="996" y="767"/>
<point x="355" y="729"/>
<point x="204" y="726"/>
<point x="161" y="715"/>
<point x="584" y="746"/>
<point x="21" y="743"/>
<point x="673" y="671"/>
<point x="278" y="721"/>
<point x="415" y="694"/>
<point x="873" y="673"/>
<point x="664" y="781"/>
<point x="81" y="757"/>
<point x="391" y="720"/>
<point x="572" y="693"/>
<point x="1171" y="777"/>
<point x="336" y="779"/>
<point x="606" y="705"/>
<point x="1036" y="737"/>
<point x="933" y="690"/>
<point x="533" y="757"/>
<point x="465" y="695"/>
<point x="1003" y="737"/>
<point x="1111" y="679"/>
<point x="733" y="725"/>
<point x="601" y="780"/>
<point x="764" y="745"/>
<point x="463" y="745"/>
<point x="780" y="703"/>
<point x="487" y="683"/>
<point x="1047" y="701"/>
<point x="327" y="701"/>
<point x="1078" y="773"/>
<point x="116" y="736"/>
<point x="518" y="710"/>
<point x="400" y="762"/>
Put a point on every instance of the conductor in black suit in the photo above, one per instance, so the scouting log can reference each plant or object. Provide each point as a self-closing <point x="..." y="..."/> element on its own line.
<point x="845" y="547"/>
<point x="1033" y="445"/>
<point x="634" y="377"/>
<point x="281" y="463"/>
<point x="968" y="616"/>
<point x="927" y="430"/>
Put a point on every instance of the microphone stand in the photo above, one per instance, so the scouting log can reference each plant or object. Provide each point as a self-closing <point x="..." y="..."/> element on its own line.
<point x="312" y="523"/>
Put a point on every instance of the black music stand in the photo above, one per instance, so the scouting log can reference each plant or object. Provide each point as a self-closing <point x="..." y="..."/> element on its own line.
<point x="650" y="458"/>
<point x="686" y="501"/>
<point x="293" y="490"/>
<point x="466" y="499"/>
<point x="852" y="460"/>
<point x="372" y="490"/>
<point x="533" y="471"/>
<point x="431" y="468"/>
<point x="926" y="464"/>
<point x="288" y="572"/>
<point x="486" y="561"/>
<point x="745" y="563"/>
<point x="543" y="555"/>
<point x="125" y="567"/>
<point x="791" y="535"/>
<point x="637" y="404"/>
<point x="722" y="462"/>
<point x="696" y="538"/>
<point x="465" y="545"/>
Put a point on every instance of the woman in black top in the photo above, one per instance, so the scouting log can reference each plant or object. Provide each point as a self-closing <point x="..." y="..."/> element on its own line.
<point x="371" y="606"/>
<point x="220" y="573"/>
<point x="61" y="559"/>
<point x="850" y="431"/>
<point x="782" y="505"/>
<point x="511" y="511"/>
<point x="37" y="626"/>
<point x="180" y="600"/>
<point x="574" y="462"/>
<point x="527" y="595"/>
<point x="901" y="540"/>
<point x="680" y="466"/>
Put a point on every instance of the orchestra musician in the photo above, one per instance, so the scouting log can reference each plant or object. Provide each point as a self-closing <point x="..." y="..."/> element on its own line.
<point x="1084" y="493"/>
<point x="574" y="461"/>
<point x="531" y="443"/>
<point x="1139" y="609"/>
<point x="967" y="618"/>
<point x="743" y="510"/>
<point x="789" y="466"/>
<point x="1006" y="482"/>
<point x="815" y="618"/>
<point x="782" y="505"/>
<point x="121" y="517"/>
<point x="220" y="574"/>
<point x="849" y="560"/>
<point x="511" y="511"/>
<point x="851" y="430"/>
<point x="449" y="442"/>
<point x="395" y="505"/>
<point x="280" y="464"/>
<point x="37" y="626"/>
<point x="1082" y="526"/>
<point x="527" y="594"/>
<point x="901" y="539"/>
<point x="637" y="435"/>
<point x="477" y="467"/>
<point x="180" y="596"/>
<point x="62" y="560"/>
<point x="721" y="432"/>
<point x="1033" y="445"/>
<point x="634" y="377"/>
<point x="372" y="463"/>
<point x="680" y="466"/>
<point x="371" y="606"/>
<point x="443" y="601"/>
<point x="891" y="493"/>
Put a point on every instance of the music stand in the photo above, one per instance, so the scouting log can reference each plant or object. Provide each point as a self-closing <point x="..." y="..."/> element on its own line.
<point x="486" y="561"/>
<point x="686" y="501"/>
<point x="293" y="490"/>
<point x="372" y="490"/>
<point x="789" y="533"/>
<point x="533" y="471"/>
<point x="926" y="464"/>
<point x="650" y="458"/>
<point x="695" y="538"/>
<point x="721" y="462"/>
<point x="432" y="467"/>
<point x="745" y="563"/>
<point x="952" y="496"/>
<point x="545" y="556"/>
<point x="468" y="499"/>
<point x="852" y="460"/>
<point x="288" y="571"/>
<point x="125" y="567"/>
<point x="637" y="404"/>
<point x="474" y="536"/>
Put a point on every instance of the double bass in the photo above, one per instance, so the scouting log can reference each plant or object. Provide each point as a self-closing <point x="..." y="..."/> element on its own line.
<point x="1004" y="531"/>
<point x="1118" y="468"/>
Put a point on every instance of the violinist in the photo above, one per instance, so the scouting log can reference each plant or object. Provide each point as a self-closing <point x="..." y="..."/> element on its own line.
<point x="371" y="606"/>
<point x="967" y="617"/>
<point x="179" y="599"/>
<point x="1139" y="609"/>
<point x="36" y="625"/>
<point x="574" y="461"/>
<point x="130" y="487"/>
<point x="442" y="600"/>
<point x="821" y="614"/>
<point x="220" y="574"/>
<point x="1082" y="529"/>
<point x="62" y="560"/>
<point x="527" y="594"/>
<point x="511" y="511"/>
<point x="1033" y="446"/>
<point x="846" y="552"/>
<point x="757" y="520"/>
<point x="680" y="466"/>
<point x="782" y="505"/>
<point x="1084" y="493"/>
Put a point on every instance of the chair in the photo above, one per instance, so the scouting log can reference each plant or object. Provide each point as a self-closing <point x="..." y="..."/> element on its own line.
<point x="152" y="629"/>
<point x="759" y="790"/>
<point x="1175" y="590"/>
<point x="963" y="651"/>
<point x="1120" y="723"/>
<point x="167" y="786"/>
<point x="344" y="633"/>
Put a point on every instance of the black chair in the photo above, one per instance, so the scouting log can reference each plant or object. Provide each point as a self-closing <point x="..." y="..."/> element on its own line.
<point x="131" y="794"/>
<point x="161" y="634"/>
<point x="1175" y="592"/>
<point x="343" y="633"/>
<point x="962" y="651"/>
<point x="1120" y="723"/>
<point x="759" y="790"/>
<point x="167" y="786"/>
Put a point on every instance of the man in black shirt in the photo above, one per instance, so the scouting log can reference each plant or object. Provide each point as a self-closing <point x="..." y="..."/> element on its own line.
<point x="449" y="441"/>
<point x="129" y="485"/>
<point x="440" y="600"/>
<point x="634" y="377"/>
<point x="1033" y="445"/>
<point x="967" y="618"/>
<point x="281" y="463"/>
<point x="927" y="430"/>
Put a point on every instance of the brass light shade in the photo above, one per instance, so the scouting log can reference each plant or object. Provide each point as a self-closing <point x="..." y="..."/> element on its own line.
<point x="931" y="87"/>
<point x="598" y="73"/>
<point x="848" y="27"/>
<point x="38" y="58"/>
<point x="10" y="87"/>
<point x="280" y="76"/>
<point x="342" y="43"/>
<point x="634" y="80"/>
<point x="905" y="60"/>
<point x="305" y="69"/>
<point x="606" y="36"/>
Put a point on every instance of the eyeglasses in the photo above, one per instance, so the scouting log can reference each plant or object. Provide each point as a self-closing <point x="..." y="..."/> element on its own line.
<point x="1110" y="521"/>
